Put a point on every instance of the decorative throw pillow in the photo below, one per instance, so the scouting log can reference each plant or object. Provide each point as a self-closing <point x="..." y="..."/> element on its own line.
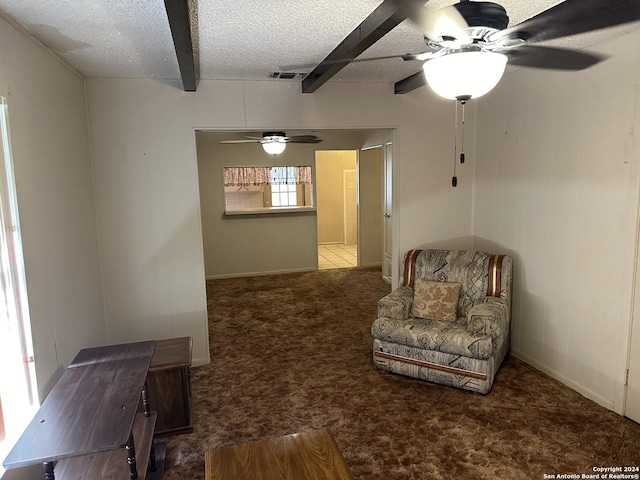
<point x="435" y="300"/>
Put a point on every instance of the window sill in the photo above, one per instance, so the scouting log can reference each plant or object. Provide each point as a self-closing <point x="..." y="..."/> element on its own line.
<point x="269" y="211"/>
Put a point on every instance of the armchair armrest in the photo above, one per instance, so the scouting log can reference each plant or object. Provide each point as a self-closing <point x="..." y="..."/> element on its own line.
<point x="397" y="304"/>
<point x="489" y="317"/>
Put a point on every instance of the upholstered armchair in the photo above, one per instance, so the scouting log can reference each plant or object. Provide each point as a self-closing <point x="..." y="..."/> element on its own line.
<point x="448" y="322"/>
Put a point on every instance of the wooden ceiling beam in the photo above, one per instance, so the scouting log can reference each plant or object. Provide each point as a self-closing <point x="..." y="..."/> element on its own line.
<point x="381" y="21"/>
<point x="410" y="83"/>
<point x="183" y="21"/>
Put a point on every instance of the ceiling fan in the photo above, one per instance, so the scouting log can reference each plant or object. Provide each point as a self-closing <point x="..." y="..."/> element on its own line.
<point x="470" y="42"/>
<point x="274" y="143"/>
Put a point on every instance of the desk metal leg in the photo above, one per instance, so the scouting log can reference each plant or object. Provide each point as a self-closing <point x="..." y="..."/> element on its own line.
<point x="48" y="471"/>
<point x="131" y="458"/>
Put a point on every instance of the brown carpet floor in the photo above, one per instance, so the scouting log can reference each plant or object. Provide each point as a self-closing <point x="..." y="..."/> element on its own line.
<point x="293" y="352"/>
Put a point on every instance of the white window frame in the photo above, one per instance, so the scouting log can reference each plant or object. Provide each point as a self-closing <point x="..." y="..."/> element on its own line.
<point x="270" y="193"/>
<point x="284" y="195"/>
<point x="18" y="389"/>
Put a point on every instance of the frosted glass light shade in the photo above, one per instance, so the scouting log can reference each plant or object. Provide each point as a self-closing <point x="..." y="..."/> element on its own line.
<point x="274" y="147"/>
<point x="465" y="74"/>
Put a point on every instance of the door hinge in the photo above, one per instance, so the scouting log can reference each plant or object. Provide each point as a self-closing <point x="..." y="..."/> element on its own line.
<point x="626" y="377"/>
<point x="28" y="359"/>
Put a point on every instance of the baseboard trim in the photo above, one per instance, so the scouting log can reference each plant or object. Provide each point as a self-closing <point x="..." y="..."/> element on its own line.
<point x="258" y="274"/>
<point x="371" y="264"/>
<point x="581" y="389"/>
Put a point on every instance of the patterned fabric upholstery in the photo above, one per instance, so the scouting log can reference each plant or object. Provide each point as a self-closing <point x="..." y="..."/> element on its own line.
<point x="436" y="335"/>
<point x="465" y="353"/>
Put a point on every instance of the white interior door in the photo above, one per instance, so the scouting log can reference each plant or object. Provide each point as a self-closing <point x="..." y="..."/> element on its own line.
<point x="370" y="206"/>
<point x="632" y="409"/>
<point x="632" y="403"/>
<point x="387" y="227"/>
<point x="350" y="207"/>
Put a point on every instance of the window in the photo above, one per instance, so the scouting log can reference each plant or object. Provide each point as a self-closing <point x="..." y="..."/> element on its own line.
<point x="17" y="376"/>
<point x="269" y="189"/>
<point x="283" y="187"/>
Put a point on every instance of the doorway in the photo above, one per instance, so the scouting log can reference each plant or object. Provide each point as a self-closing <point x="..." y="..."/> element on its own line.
<point x="256" y="244"/>
<point x="349" y="192"/>
<point x="336" y="202"/>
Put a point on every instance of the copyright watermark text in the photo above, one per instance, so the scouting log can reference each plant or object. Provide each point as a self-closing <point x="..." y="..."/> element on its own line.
<point x="631" y="472"/>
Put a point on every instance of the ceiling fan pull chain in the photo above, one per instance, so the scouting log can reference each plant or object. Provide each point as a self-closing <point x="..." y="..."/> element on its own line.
<point x="462" y="134"/>
<point x="454" y="178"/>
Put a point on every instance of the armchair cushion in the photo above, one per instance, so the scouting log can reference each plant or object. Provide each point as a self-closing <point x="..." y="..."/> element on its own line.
<point x="435" y="300"/>
<point x="436" y="335"/>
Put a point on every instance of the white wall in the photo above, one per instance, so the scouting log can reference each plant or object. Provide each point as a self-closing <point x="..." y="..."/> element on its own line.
<point x="144" y="152"/>
<point x="55" y="198"/>
<point x="148" y="218"/>
<point x="557" y="187"/>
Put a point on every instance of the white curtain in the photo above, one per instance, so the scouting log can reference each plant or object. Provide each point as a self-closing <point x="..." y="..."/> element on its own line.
<point x="291" y="175"/>
<point x="256" y="176"/>
<point x="246" y="176"/>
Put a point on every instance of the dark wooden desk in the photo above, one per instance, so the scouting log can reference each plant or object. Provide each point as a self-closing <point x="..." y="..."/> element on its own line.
<point x="310" y="455"/>
<point x="170" y="386"/>
<point x="90" y="410"/>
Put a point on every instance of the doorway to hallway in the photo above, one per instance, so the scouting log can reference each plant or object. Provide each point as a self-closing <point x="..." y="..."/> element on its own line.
<point x="337" y="211"/>
<point x="349" y="192"/>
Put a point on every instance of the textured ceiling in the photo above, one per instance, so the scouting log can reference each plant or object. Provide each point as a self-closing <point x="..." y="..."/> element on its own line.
<point x="238" y="39"/>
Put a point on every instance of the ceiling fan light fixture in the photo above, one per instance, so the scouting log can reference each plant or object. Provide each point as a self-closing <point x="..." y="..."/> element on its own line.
<point x="466" y="74"/>
<point x="273" y="145"/>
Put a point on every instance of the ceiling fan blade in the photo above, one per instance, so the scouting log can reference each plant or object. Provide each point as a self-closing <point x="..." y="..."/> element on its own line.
<point x="407" y="57"/>
<point x="572" y="17"/>
<point x="550" y="57"/>
<point x="240" y="141"/>
<point x="442" y="24"/>
<point x="303" y="139"/>
<point x="307" y="66"/>
<point x="483" y="14"/>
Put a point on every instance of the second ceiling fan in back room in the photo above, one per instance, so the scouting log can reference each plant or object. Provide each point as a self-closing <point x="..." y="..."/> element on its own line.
<point x="274" y="143"/>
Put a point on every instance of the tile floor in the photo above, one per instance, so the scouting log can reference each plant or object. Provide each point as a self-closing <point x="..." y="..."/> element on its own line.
<point x="337" y="256"/>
